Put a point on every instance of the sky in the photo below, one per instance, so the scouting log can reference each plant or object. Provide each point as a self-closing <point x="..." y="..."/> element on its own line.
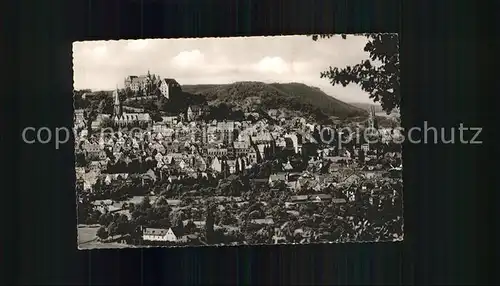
<point x="103" y="65"/>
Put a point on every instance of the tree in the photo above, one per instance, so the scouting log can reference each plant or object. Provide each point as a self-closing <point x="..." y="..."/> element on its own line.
<point x="106" y="123"/>
<point x="209" y="224"/>
<point x="90" y="115"/>
<point x="106" y="105"/>
<point x="80" y="159"/>
<point x="176" y="218"/>
<point x="113" y="229"/>
<point x="128" y="93"/>
<point x="102" y="233"/>
<point x="161" y="201"/>
<point x="139" y="92"/>
<point x="146" y="203"/>
<point x="105" y="219"/>
<point x="155" y="116"/>
<point x="190" y="227"/>
<point x="378" y="75"/>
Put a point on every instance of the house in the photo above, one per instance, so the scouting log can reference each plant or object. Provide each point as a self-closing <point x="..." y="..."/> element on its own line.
<point x="320" y="198"/>
<point x="226" y="130"/>
<point x="149" y="176"/>
<point x="216" y="165"/>
<point x="241" y="148"/>
<point x="307" y="183"/>
<point x="169" y="120"/>
<point x="136" y="83"/>
<point x="264" y="221"/>
<point x="160" y="128"/>
<point x="278" y="236"/>
<point x="193" y="112"/>
<point x="160" y="234"/>
<point x="214" y="152"/>
<point x="293" y="181"/>
<point x="296" y="199"/>
<point x="287" y="166"/>
<point x="79" y="116"/>
<point x="168" y="87"/>
<point x="339" y="201"/>
<point x="232" y="166"/>
<point x="365" y="147"/>
<point x="275" y="178"/>
<point x="371" y="174"/>
<point x="95" y="125"/>
<point x="317" y="198"/>
<point x="94" y="151"/>
<point x="252" y="158"/>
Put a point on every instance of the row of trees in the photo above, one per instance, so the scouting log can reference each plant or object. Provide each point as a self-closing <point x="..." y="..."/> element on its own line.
<point x="159" y="214"/>
<point x="378" y="75"/>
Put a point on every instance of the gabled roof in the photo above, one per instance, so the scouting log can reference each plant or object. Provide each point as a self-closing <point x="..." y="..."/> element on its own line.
<point x="160" y="231"/>
<point x="263" y="221"/>
<point x="320" y="196"/>
<point x="169" y="81"/>
<point x="154" y="231"/>
<point x="195" y="107"/>
<point x="279" y="176"/>
<point x="299" y="198"/>
<point x="139" y="79"/>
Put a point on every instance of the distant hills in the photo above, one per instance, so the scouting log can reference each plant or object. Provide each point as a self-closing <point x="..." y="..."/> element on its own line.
<point x="378" y="109"/>
<point x="367" y="106"/>
<point x="293" y="98"/>
<point x="298" y="97"/>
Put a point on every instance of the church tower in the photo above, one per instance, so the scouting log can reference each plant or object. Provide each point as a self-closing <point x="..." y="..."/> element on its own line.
<point x="374" y="122"/>
<point x="117" y="103"/>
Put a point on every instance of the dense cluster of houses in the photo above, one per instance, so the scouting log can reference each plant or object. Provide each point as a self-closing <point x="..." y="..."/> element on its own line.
<point x="188" y="147"/>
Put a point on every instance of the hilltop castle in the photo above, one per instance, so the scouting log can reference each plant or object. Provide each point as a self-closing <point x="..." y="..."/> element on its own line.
<point x="148" y="83"/>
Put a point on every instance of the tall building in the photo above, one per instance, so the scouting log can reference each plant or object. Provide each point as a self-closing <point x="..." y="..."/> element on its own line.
<point x="168" y="87"/>
<point x="136" y="83"/>
<point x="149" y="83"/>
<point x="372" y="120"/>
<point x="123" y="119"/>
<point x="118" y="108"/>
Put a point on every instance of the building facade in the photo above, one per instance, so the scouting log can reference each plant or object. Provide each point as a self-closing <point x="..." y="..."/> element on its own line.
<point x="168" y="87"/>
<point x="122" y="119"/>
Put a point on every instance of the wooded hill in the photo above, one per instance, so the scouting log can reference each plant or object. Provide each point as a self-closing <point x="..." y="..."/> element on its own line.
<point x="293" y="96"/>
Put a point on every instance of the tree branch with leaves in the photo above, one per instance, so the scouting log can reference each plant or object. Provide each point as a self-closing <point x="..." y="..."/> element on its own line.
<point x="378" y="75"/>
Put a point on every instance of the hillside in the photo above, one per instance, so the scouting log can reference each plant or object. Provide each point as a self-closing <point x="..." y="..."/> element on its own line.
<point x="367" y="106"/>
<point x="309" y="101"/>
<point x="378" y="109"/>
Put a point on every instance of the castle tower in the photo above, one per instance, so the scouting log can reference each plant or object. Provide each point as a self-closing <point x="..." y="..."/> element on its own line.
<point x="117" y="103"/>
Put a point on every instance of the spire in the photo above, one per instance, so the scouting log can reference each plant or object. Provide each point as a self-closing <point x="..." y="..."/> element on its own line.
<point x="116" y="96"/>
<point x="118" y="104"/>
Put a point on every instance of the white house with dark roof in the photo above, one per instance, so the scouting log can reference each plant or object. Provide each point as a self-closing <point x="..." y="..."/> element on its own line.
<point x="168" y="86"/>
<point x="160" y="234"/>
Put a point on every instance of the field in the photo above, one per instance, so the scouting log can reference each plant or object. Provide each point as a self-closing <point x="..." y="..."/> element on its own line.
<point x="97" y="245"/>
<point x="87" y="234"/>
<point x="87" y="239"/>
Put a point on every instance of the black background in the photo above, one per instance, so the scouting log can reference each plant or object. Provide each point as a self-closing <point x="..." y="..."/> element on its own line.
<point x="446" y="187"/>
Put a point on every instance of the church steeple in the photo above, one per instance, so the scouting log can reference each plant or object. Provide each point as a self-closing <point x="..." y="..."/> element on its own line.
<point x="117" y="103"/>
<point x="374" y="118"/>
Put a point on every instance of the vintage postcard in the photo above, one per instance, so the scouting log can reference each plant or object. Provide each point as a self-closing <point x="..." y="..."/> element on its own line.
<point x="238" y="141"/>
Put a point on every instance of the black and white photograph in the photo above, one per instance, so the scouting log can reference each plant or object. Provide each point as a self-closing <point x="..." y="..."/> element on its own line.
<point x="238" y="141"/>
